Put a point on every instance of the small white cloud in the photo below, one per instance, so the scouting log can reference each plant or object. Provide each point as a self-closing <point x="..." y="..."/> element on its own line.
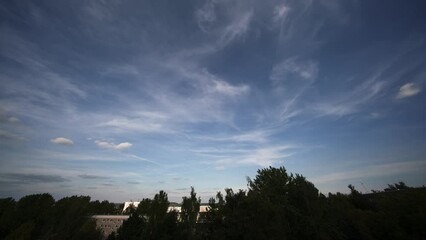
<point x="408" y="90"/>
<point x="62" y="140"/>
<point x="123" y="146"/>
<point x="107" y="145"/>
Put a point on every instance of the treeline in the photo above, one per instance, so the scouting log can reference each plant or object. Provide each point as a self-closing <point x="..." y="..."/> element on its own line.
<point x="276" y="205"/>
<point x="39" y="216"/>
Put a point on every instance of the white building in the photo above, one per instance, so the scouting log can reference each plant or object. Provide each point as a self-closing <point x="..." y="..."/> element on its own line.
<point x="111" y="223"/>
<point x="203" y="208"/>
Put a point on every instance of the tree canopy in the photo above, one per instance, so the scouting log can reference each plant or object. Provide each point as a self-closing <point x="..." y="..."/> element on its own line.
<point x="276" y="205"/>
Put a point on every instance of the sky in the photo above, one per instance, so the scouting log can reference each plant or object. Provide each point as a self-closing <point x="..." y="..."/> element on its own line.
<point x="120" y="99"/>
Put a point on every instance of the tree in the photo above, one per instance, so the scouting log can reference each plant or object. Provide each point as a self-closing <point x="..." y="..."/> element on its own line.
<point x="150" y="220"/>
<point x="8" y="216"/>
<point x="189" y="213"/>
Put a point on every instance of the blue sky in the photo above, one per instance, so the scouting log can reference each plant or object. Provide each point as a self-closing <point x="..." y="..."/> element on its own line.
<point x="120" y="99"/>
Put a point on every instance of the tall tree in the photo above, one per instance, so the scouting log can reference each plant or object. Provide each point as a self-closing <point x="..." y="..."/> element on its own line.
<point x="189" y="213"/>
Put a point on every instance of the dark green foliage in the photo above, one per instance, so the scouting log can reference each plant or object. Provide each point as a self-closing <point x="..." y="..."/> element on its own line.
<point x="189" y="214"/>
<point x="87" y="231"/>
<point x="277" y="205"/>
<point x="103" y="208"/>
<point x="133" y="228"/>
<point x="282" y="206"/>
<point x="38" y="216"/>
<point x="8" y="218"/>
<point x="150" y="220"/>
<point x="23" y="232"/>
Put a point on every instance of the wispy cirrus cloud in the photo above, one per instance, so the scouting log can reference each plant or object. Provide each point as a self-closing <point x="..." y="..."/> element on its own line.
<point x="280" y="13"/>
<point x="294" y="68"/>
<point x="135" y="123"/>
<point x="10" y="136"/>
<point x="256" y="136"/>
<point x="53" y="155"/>
<point x="380" y="170"/>
<point x="206" y="15"/>
<point x="88" y="176"/>
<point x="353" y="101"/>
<point x="23" y="178"/>
<point x="236" y="29"/>
<point x="261" y="157"/>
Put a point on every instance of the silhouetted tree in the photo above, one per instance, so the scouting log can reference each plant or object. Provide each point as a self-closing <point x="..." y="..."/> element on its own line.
<point x="189" y="213"/>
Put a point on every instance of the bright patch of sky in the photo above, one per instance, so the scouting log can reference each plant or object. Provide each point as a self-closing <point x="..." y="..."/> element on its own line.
<point x="120" y="99"/>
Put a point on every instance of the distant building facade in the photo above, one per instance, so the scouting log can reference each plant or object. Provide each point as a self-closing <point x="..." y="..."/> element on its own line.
<point x="109" y="223"/>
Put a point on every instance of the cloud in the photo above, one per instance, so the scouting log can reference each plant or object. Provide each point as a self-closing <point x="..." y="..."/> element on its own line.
<point x="263" y="157"/>
<point x="10" y="136"/>
<point x="133" y="182"/>
<point x="62" y="141"/>
<point x="206" y="16"/>
<point x="236" y="29"/>
<point x="373" y="171"/>
<point x="86" y="176"/>
<point x="108" y="145"/>
<point x="5" y="118"/>
<point x="291" y="68"/>
<point x="353" y="101"/>
<point x="21" y="178"/>
<point x="142" y="124"/>
<point x="228" y="89"/>
<point x="408" y="90"/>
<point x="208" y="83"/>
<point x="280" y="12"/>
<point x="335" y="109"/>
<point x="257" y="136"/>
<point x="79" y="156"/>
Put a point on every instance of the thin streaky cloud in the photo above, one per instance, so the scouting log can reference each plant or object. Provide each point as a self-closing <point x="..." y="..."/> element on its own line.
<point x="206" y="16"/>
<point x="373" y="171"/>
<point x="31" y="178"/>
<point x="10" y="136"/>
<point x="88" y="176"/>
<point x="236" y="29"/>
<point x="260" y="157"/>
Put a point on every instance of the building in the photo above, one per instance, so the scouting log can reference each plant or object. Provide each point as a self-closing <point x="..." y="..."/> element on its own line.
<point x="173" y="207"/>
<point x="109" y="223"/>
